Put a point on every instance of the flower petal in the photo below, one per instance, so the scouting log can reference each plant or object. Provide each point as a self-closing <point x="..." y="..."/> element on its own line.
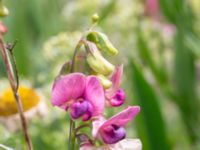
<point x="112" y="134"/>
<point x="127" y="144"/>
<point x="122" y="118"/>
<point x="116" y="81"/>
<point x="117" y="76"/>
<point x="68" y="87"/>
<point x="96" y="124"/>
<point x="95" y="94"/>
<point x="78" y="109"/>
<point x="118" y="98"/>
<point x="89" y="113"/>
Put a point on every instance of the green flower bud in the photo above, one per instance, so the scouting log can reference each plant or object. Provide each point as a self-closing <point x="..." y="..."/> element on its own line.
<point x="102" y="42"/>
<point x="104" y="81"/>
<point x="98" y="63"/>
<point x="95" y="18"/>
<point x="3" y="10"/>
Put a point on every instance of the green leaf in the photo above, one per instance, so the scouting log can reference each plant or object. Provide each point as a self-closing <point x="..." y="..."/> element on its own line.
<point x="153" y="133"/>
<point x="185" y="77"/>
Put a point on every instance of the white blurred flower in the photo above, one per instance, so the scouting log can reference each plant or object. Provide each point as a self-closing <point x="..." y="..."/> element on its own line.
<point x="126" y="144"/>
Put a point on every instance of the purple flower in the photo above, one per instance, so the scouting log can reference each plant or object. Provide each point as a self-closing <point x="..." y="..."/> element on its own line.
<point x="112" y="130"/>
<point x="81" y="108"/>
<point x="115" y="95"/>
<point x="82" y="95"/>
<point x="112" y="134"/>
<point x="118" y="98"/>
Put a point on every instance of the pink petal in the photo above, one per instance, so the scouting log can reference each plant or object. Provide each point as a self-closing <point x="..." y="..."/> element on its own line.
<point x="96" y="124"/>
<point x="116" y="81"/>
<point x="95" y="94"/>
<point x="67" y="88"/>
<point x="122" y="118"/>
<point x="118" y="98"/>
<point x="117" y="77"/>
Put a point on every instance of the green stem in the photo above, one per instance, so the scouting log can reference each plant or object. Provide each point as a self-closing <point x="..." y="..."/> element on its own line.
<point x="82" y="126"/>
<point x="72" y="137"/>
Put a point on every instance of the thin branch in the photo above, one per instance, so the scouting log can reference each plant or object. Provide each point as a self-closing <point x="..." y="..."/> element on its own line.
<point x="14" y="83"/>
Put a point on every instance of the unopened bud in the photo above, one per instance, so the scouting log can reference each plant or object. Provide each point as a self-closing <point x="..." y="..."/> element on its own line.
<point x="102" y="42"/>
<point x="3" y="10"/>
<point x="65" y="69"/>
<point x="104" y="81"/>
<point x="95" y="18"/>
<point x="99" y="64"/>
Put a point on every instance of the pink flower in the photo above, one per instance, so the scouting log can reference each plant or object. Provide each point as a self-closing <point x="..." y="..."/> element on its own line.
<point x="82" y="95"/>
<point x="112" y="130"/>
<point x="152" y="8"/>
<point x="115" y="95"/>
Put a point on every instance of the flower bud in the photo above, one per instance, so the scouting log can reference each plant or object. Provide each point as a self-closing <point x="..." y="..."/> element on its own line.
<point x="102" y="42"/>
<point x="3" y="10"/>
<point x="99" y="64"/>
<point x="95" y="18"/>
<point x="104" y="81"/>
<point x="65" y="68"/>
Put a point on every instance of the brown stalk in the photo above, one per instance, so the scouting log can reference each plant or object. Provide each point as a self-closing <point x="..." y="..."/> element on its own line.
<point x="14" y="83"/>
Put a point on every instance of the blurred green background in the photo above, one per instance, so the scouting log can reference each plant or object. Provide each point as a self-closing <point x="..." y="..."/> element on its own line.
<point x="158" y="44"/>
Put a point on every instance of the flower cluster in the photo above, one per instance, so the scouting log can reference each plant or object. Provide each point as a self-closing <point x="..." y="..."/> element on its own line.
<point x="86" y="95"/>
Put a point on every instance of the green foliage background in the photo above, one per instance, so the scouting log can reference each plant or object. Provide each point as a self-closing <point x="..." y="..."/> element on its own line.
<point x="161" y="70"/>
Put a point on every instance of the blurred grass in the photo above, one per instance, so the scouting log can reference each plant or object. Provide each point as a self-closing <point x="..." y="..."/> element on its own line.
<point x="31" y="25"/>
<point x="151" y="125"/>
<point x="161" y="71"/>
<point x="184" y="68"/>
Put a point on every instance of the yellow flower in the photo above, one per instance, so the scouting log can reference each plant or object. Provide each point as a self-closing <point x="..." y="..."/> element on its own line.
<point x="28" y="96"/>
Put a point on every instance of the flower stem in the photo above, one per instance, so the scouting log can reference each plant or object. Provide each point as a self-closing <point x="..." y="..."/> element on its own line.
<point x="82" y="126"/>
<point x="71" y="143"/>
<point x="72" y="131"/>
<point x="14" y="83"/>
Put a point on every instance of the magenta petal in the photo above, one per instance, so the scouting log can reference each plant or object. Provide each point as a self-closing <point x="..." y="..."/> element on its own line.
<point x="68" y="87"/>
<point x="82" y="109"/>
<point x="95" y="94"/>
<point x="118" y="98"/>
<point x="78" y="109"/>
<point x="122" y="118"/>
<point x="89" y="113"/>
<point x="112" y="134"/>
